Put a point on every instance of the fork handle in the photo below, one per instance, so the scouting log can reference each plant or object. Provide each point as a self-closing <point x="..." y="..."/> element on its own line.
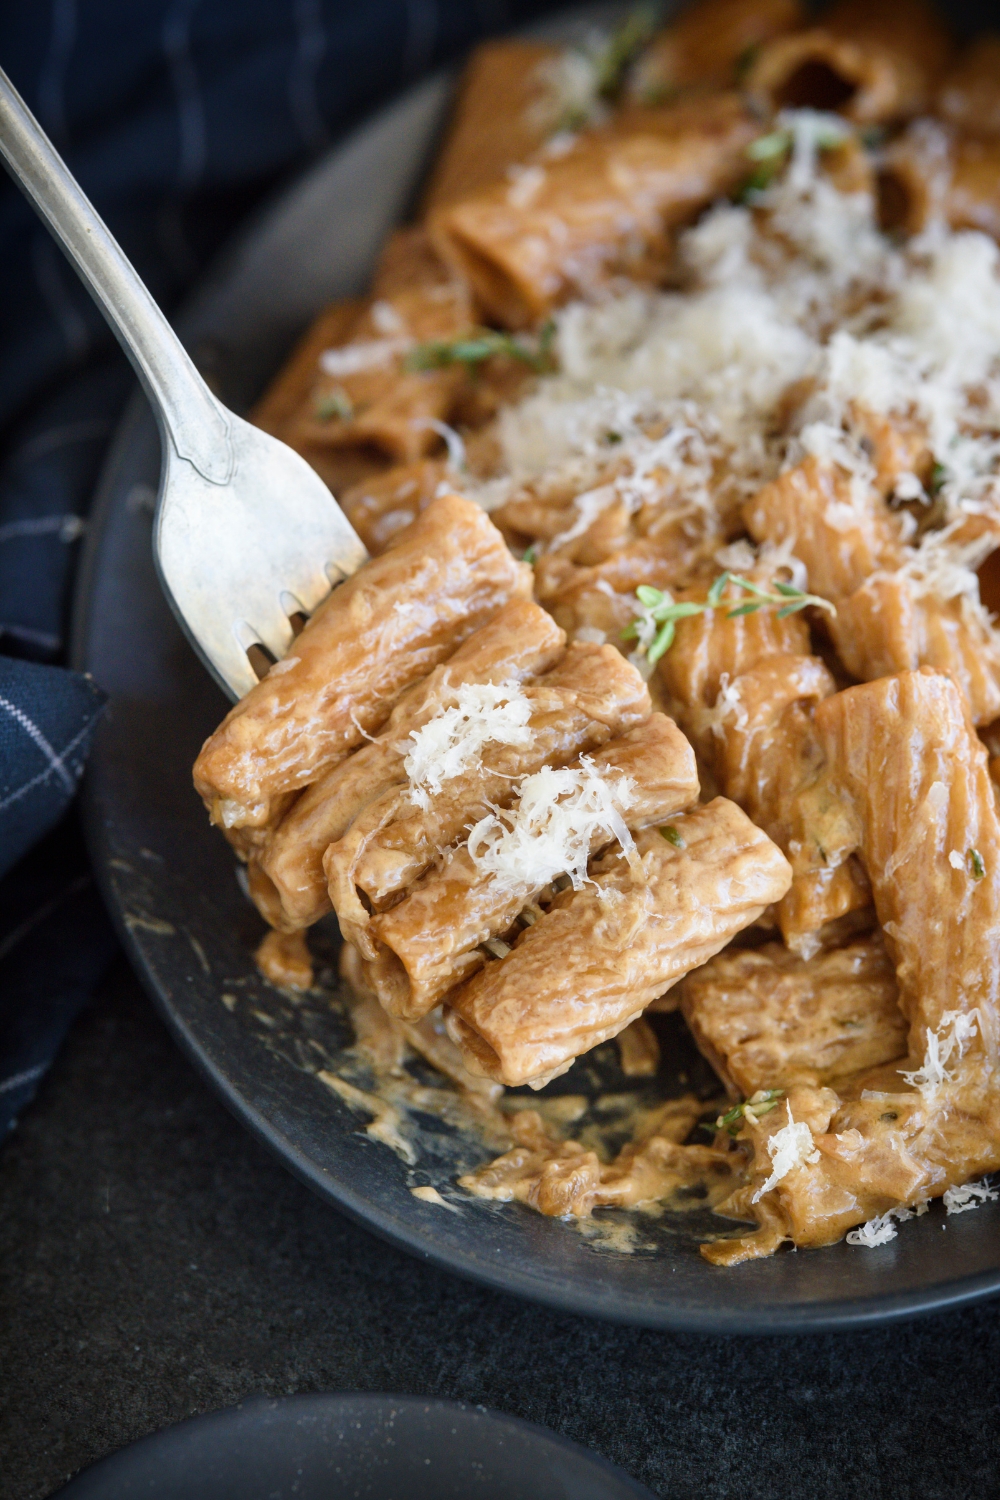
<point x="196" y="424"/>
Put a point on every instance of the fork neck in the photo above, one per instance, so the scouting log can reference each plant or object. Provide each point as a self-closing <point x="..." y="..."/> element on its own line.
<point x="196" y="425"/>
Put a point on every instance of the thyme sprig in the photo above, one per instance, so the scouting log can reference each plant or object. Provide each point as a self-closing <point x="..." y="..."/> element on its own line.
<point x="335" y="403"/>
<point x="659" y="608"/>
<point x="480" y="344"/>
<point x="758" y="1104"/>
<point x="623" y="47"/>
<point x="771" y="152"/>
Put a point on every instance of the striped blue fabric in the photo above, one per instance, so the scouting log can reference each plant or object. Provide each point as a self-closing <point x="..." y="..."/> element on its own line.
<point x="177" y="116"/>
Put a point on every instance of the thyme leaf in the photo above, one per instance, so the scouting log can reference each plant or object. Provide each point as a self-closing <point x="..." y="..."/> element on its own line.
<point x="771" y="152"/>
<point x="335" y="403"/>
<point x="659" y="608"/>
<point x="976" y="865"/>
<point x="758" y="1104"/>
<point x="480" y="344"/>
<point x="672" y="836"/>
<point x="623" y="47"/>
<point x="746" y="60"/>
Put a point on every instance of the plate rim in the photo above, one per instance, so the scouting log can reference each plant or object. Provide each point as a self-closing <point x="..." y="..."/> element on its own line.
<point x="789" y="1318"/>
<point x="304" y="1404"/>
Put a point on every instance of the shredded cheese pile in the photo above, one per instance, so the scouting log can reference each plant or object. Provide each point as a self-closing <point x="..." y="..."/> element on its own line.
<point x="559" y="816"/>
<point x="880" y="1230"/>
<point x="958" y="1200"/>
<point x="684" y="388"/>
<point x="453" y="740"/>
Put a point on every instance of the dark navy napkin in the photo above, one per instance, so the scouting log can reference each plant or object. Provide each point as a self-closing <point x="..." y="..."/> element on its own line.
<point x="177" y="116"/>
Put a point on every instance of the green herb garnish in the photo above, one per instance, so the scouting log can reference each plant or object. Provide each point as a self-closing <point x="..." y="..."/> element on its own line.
<point x="658" y="93"/>
<point x="759" y="1104"/>
<point x="474" y="348"/>
<point x="672" y="836"/>
<point x="976" y="865"/>
<point x="531" y="556"/>
<point x="771" y="153"/>
<point x="770" y="147"/>
<point x="660" y="609"/>
<point x="938" y="480"/>
<point x="335" y="403"/>
<point x="623" y="47"/>
<point x="746" y="60"/>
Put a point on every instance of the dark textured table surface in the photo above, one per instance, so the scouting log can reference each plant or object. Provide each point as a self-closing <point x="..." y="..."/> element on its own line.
<point x="155" y="1262"/>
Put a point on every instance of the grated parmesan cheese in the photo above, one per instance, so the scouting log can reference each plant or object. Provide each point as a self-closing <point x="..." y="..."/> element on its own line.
<point x="677" y="394"/>
<point x="880" y="1230"/>
<point x="570" y="88"/>
<point x="958" y="1200"/>
<point x="790" y="1147"/>
<point x="386" y="319"/>
<point x="366" y="354"/>
<point x="525" y="185"/>
<point x="558" y="818"/>
<point x="728" y="706"/>
<point x="877" y="1231"/>
<point x="453" y="740"/>
<point x="951" y="1039"/>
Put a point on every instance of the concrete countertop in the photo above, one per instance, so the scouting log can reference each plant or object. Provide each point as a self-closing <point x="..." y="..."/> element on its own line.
<point x="155" y="1262"/>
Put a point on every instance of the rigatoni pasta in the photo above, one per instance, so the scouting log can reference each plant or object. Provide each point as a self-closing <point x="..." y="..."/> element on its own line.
<point x="374" y="636"/>
<point x="600" y="955"/>
<point x="605" y="208"/>
<point x="435" y="938"/>
<point x="688" y="695"/>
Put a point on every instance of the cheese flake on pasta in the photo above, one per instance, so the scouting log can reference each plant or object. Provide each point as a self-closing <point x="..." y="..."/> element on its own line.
<point x="678" y="395"/>
<point x="877" y="1231"/>
<point x="880" y="1230"/>
<point x="955" y="1031"/>
<point x="551" y="830"/>
<point x="958" y="1200"/>
<point x="790" y="1147"/>
<point x="482" y="714"/>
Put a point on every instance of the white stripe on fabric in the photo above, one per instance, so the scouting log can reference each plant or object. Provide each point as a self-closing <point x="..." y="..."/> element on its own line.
<point x="33" y="732"/>
<point x="52" y="82"/>
<point x="22" y="791"/>
<point x="50" y="270"/>
<point x="68" y="528"/>
<point x="20" y="1079"/>
<point x="193" y="151"/>
<point x="309" y="53"/>
<point x="13" y="937"/>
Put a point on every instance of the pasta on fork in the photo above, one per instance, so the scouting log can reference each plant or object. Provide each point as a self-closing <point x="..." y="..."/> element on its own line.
<point x="672" y="425"/>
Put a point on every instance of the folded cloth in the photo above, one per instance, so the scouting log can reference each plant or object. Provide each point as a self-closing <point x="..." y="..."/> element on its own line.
<point x="47" y="721"/>
<point x="55" y="944"/>
<point x="176" y="116"/>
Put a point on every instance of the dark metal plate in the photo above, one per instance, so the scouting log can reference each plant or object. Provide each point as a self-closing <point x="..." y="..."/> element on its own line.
<point x="326" y="1447"/>
<point x="169" y="879"/>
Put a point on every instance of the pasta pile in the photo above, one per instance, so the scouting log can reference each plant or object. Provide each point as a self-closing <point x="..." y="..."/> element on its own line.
<point x="673" y="427"/>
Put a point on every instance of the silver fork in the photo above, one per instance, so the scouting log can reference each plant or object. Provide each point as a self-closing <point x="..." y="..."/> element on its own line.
<point x="247" y="537"/>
